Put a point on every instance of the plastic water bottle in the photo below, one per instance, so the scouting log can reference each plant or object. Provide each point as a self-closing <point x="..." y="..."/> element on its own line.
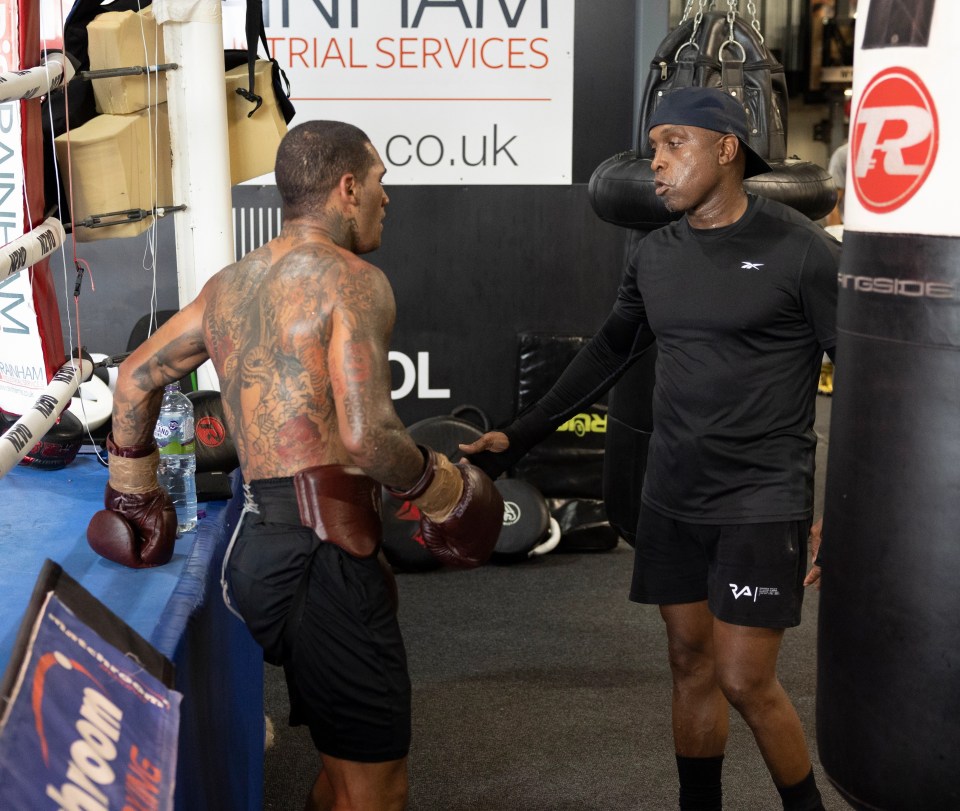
<point x="177" y="470"/>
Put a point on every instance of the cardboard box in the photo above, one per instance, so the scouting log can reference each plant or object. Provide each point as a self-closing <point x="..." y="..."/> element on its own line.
<point x="124" y="39"/>
<point x="253" y="140"/>
<point x="119" y="162"/>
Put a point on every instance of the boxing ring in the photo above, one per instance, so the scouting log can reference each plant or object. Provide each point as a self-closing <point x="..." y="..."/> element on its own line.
<point x="176" y="607"/>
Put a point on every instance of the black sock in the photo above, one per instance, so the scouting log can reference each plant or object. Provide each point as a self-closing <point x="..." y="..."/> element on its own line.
<point x="700" y="788"/>
<point x="804" y="796"/>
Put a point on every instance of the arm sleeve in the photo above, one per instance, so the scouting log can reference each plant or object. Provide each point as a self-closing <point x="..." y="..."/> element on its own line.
<point x="594" y="370"/>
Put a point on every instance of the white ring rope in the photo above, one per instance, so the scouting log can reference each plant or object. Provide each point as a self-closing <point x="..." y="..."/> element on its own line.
<point x="92" y="403"/>
<point x="30" y="428"/>
<point x="27" y="250"/>
<point x="38" y="81"/>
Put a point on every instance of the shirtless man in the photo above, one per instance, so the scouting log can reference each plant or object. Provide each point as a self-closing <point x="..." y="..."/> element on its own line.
<point x="298" y="331"/>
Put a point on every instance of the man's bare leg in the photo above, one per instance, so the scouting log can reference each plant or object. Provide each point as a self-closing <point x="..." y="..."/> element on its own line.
<point x="747" y="672"/>
<point x="346" y="785"/>
<point x="700" y="714"/>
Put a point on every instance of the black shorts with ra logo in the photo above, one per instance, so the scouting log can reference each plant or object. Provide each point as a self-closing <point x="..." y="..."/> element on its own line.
<point x="750" y="574"/>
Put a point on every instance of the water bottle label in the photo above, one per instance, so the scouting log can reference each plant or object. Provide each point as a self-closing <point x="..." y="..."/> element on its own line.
<point x="167" y="433"/>
<point x="174" y="436"/>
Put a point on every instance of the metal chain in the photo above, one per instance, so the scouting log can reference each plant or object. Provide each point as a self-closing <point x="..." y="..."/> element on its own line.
<point x="704" y="5"/>
<point x="686" y="11"/>
<point x="731" y="17"/>
<point x="754" y="19"/>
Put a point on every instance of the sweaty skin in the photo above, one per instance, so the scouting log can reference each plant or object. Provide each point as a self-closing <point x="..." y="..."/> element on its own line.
<point x="298" y="332"/>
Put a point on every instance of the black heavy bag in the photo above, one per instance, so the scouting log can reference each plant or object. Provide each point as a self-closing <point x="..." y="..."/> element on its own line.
<point x="709" y="50"/>
<point x="888" y="686"/>
<point x="402" y="543"/>
<point x="216" y="453"/>
<point x="713" y="52"/>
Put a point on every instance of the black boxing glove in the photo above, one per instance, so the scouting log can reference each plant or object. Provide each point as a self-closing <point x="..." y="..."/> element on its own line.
<point x="139" y="525"/>
<point x="461" y="510"/>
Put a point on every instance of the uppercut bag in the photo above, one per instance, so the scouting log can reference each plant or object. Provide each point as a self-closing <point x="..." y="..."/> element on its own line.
<point x="720" y="49"/>
<point x="713" y="49"/>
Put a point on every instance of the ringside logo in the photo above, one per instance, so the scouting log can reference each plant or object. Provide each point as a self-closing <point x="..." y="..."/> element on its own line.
<point x="895" y="138"/>
<point x="907" y="288"/>
<point x="210" y="432"/>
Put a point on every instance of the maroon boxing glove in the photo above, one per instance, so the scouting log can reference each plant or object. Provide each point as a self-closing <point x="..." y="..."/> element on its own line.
<point x="139" y="525"/>
<point x="467" y="536"/>
<point x="461" y="510"/>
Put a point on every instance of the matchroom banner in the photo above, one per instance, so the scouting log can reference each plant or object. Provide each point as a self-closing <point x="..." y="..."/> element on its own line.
<point x="85" y="727"/>
<point x="451" y="92"/>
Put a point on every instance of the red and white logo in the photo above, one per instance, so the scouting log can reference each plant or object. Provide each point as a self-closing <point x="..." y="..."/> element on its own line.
<point x="210" y="432"/>
<point x="895" y="136"/>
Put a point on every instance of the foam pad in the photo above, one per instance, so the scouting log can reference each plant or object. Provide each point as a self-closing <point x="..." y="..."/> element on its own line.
<point x="253" y="138"/>
<point x="116" y="168"/>
<point x="526" y="520"/>
<point x="123" y="39"/>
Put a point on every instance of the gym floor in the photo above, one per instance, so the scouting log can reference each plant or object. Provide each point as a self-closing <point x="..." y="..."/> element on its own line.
<point x="540" y="687"/>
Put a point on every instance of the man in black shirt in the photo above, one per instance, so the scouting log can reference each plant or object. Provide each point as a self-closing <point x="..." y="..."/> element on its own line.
<point x="741" y="296"/>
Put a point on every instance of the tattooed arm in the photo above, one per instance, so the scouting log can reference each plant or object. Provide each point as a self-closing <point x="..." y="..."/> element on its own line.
<point x="370" y="429"/>
<point x="174" y="350"/>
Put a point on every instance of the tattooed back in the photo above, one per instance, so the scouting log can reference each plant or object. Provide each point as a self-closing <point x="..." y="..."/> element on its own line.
<point x="286" y="326"/>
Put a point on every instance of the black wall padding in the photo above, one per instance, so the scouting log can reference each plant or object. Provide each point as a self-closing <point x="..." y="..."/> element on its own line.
<point x="621" y="190"/>
<point x="629" y="424"/>
<point x="583" y="525"/>
<point x="567" y="463"/>
<point x="888" y="687"/>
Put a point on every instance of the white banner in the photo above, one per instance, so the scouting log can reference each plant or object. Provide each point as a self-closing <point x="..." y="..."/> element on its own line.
<point x="22" y="370"/>
<point x="903" y="164"/>
<point x="451" y="92"/>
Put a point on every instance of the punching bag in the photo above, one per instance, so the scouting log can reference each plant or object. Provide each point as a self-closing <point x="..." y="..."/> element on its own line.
<point x="888" y="689"/>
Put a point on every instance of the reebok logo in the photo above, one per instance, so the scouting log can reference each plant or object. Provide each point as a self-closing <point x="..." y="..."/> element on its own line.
<point x="753" y="592"/>
<point x="750" y="265"/>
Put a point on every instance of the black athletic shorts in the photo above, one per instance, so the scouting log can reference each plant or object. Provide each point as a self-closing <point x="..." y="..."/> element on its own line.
<point x="750" y="574"/>
<point x="330" y="619"/>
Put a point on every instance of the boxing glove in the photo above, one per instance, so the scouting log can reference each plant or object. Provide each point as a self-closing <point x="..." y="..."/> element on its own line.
<point x="138" y="526"/>
<point x="461" y="511"/>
